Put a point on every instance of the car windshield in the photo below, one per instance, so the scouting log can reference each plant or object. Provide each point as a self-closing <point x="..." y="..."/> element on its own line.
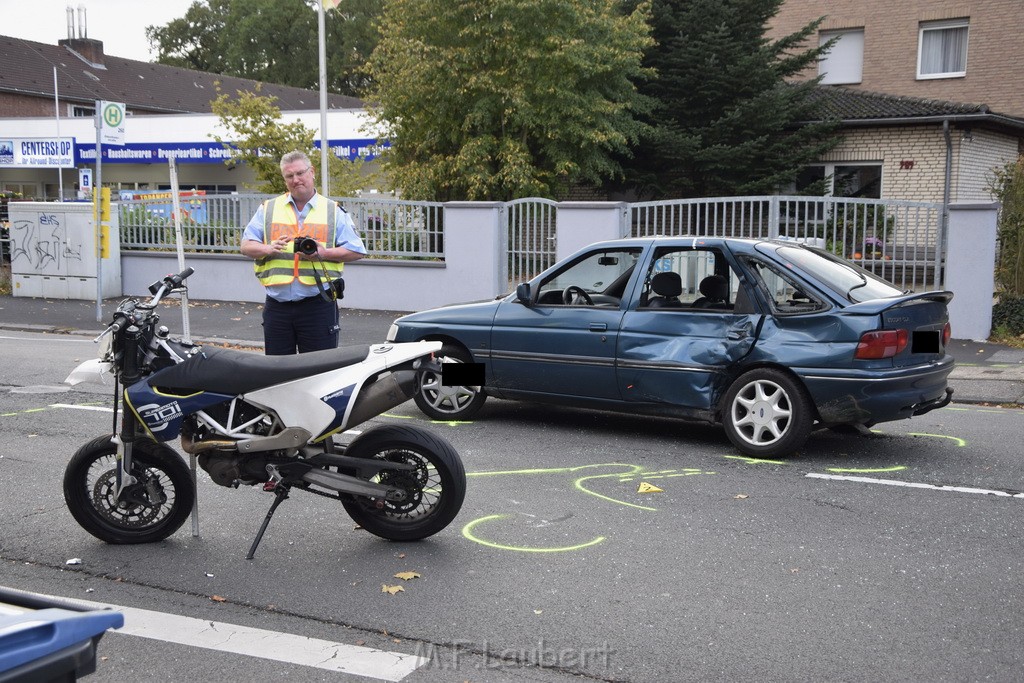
<point x="854" y="282"/>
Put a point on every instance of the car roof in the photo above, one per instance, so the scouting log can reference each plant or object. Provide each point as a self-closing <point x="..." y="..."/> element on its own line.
<point x="669" y="240"/>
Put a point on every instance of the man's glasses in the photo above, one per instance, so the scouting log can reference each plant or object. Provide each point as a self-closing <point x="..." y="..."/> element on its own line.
<point x="292" y="176"/>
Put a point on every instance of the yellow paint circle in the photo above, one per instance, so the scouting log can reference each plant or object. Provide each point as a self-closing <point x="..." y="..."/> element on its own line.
<point x="467" y="531"/>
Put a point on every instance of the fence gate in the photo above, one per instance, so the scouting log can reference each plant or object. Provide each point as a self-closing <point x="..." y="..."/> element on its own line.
<point x="531" y="237"/>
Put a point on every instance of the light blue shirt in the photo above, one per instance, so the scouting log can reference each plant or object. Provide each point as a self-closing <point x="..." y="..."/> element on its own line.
<point x="345" y="235"/>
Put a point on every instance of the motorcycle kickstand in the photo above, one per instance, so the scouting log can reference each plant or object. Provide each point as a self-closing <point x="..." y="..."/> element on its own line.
<point x="280" y="494"/>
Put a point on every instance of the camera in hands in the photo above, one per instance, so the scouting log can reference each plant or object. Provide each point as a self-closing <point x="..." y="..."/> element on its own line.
<point x="306" y="245"/>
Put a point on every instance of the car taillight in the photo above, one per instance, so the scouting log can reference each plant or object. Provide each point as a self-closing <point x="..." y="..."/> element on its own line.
<point x="947" y="333"/>
<point x="881" y="344"/>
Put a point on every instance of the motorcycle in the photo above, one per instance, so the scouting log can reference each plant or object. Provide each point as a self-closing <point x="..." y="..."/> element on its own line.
<point x="255" y="420"/>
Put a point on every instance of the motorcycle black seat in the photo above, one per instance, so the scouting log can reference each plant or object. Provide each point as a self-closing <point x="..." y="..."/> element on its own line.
<point x="226" y="371"/>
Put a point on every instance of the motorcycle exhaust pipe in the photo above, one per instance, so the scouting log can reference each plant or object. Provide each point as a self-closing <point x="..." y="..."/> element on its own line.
<point x="193" y="448"/>
<point x="387" y="392"/>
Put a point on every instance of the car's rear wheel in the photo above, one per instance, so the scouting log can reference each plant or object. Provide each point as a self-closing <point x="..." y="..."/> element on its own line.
<point x="767" y="413"/>
<point x="452" y="402"/>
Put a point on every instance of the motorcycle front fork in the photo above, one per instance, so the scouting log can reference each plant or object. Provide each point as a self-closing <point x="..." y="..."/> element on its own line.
<point x="130" y="430"/>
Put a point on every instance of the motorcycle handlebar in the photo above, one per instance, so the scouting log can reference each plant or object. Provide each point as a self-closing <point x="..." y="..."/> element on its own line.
<point x="176" y="280"/>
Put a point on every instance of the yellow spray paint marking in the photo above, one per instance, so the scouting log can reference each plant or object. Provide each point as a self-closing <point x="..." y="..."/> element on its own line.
<point x="398" y="417"/>
<point x="668" y="474"/>
<point x="867" y="470"/>
<point x="755" y="461"/>
<point x="451" y="423"/>
<point x="648" y="488"/>
<point x="959" y="442"/>
<point x="468" y="532"/>
<point x="54" y="406"/>
<point x="578" y="485"/>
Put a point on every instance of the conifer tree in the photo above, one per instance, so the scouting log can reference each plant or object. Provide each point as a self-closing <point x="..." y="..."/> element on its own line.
<point x="726" y="121"/>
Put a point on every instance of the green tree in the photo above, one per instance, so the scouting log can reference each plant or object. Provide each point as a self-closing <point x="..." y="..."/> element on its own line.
<point x="1007" y="186"/>
<point x="260" y="138"/>
<point x="494" y="99"/>
<point x="726" y="121"/>
<point x="274" y="41"/>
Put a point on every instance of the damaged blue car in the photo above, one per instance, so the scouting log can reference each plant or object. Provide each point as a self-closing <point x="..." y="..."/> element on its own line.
<point x="771" y="339"/>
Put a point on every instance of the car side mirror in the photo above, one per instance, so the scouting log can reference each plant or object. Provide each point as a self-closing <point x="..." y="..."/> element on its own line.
<point x="523" y="293"/>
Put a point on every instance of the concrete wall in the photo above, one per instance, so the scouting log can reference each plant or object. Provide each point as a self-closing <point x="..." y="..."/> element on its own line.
<point x="970" y="274"/>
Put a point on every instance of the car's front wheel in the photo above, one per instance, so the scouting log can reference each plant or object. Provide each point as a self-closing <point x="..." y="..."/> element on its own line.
<point x="441" y="402"/>
<point x="767" y="413"/>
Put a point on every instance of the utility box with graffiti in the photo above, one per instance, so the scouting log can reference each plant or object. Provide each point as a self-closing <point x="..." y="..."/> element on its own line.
<point x="55" y="251"/>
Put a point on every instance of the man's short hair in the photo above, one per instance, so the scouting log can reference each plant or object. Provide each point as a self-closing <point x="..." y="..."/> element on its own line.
<point x="295" y="155"/>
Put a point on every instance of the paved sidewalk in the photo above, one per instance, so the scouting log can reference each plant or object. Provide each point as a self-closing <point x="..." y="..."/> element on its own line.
<point x="984" y="373"/>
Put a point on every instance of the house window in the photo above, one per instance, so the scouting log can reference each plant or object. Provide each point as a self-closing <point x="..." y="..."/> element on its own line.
<point x="844" y="61"/>
<point x="860" y="181"/>
<point x="942" y="49"/>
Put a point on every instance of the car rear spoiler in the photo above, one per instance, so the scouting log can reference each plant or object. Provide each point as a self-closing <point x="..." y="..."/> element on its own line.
<point x="877" y="306"/>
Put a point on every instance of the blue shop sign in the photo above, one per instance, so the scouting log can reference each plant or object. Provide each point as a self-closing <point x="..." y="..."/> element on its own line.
<point x="203" y="152"/>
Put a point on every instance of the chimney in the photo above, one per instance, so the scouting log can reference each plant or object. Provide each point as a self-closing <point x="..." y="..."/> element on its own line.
<point x="89" y="51"/>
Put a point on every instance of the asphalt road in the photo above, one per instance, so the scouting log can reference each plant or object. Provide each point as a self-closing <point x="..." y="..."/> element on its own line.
<point x="607" y="547"/>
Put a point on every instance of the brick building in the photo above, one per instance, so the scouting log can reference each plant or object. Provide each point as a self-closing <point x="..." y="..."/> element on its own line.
<point x="952" y="50"/>
<point x="927" y="92"/>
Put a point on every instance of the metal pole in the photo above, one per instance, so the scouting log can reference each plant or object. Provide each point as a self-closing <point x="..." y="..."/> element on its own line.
<point x="56" y="113"/>
<point x="186" y="332"/>
<point x="325" y="175"/>
<point x="96" y="192"/>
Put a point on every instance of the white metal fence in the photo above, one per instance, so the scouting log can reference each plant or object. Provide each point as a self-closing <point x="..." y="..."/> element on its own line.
<point x="390" y="228"/>
<point x="901" y="241"/>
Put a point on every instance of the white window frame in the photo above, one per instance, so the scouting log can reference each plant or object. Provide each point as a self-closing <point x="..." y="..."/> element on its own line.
<point x="930" y="26"/>
<point x="844" y="64"/>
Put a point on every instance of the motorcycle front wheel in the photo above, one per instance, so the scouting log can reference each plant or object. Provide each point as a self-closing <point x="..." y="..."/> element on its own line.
<point x="149" y="510"/>
<point x="434" y="490"/>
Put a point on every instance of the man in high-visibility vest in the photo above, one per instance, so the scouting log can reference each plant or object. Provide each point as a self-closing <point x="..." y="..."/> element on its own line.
<point x="301" y="312"/>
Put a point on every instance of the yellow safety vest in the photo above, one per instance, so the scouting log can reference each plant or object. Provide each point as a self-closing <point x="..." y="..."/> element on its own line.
<point x="281" y="220"/>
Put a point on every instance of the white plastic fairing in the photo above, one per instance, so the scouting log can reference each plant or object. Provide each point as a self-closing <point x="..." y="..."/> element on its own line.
<point x="95" y="371"/>
<point x="301" y="402"/>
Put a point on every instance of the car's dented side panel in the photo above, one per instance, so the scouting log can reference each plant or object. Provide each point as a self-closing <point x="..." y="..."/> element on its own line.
<point x="681" y="357"/>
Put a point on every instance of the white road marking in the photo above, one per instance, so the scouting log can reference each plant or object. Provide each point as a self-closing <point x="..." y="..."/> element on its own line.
<point x="68" y="405"/>
<point x="915" y="485"/>
<point x="51" y="337"/>
<point x="257" y="642"/>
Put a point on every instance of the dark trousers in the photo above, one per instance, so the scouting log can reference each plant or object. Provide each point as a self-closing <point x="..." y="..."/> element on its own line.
<point x="307" y="325"/>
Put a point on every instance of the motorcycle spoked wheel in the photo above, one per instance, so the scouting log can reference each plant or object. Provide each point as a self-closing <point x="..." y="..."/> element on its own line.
<point x="435" y="489"/>
<point x="150" y="510"/>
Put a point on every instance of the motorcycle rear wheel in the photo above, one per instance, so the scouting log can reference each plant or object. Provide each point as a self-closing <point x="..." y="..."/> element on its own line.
<point x="435" y="489"/>
<point x="150" y="510"/>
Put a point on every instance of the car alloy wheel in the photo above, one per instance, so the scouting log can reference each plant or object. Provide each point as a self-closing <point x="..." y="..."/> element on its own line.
<point x="767" y="413"/>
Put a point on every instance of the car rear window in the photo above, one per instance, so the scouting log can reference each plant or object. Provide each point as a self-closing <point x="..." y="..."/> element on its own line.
<point x="851" y="281"/>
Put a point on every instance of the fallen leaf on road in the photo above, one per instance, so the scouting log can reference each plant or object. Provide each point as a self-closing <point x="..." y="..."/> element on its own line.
<point x="407" y="576"/>
<point x="391" y="590"/>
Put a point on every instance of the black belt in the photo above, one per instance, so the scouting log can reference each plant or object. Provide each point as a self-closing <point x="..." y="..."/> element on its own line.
<point x="315" y="297"/>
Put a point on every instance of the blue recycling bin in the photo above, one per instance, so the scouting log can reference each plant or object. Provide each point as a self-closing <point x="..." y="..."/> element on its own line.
<point x="45" y="640"/>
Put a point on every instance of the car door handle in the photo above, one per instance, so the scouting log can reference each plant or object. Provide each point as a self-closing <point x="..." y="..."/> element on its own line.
<point x="598" y="327"/>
